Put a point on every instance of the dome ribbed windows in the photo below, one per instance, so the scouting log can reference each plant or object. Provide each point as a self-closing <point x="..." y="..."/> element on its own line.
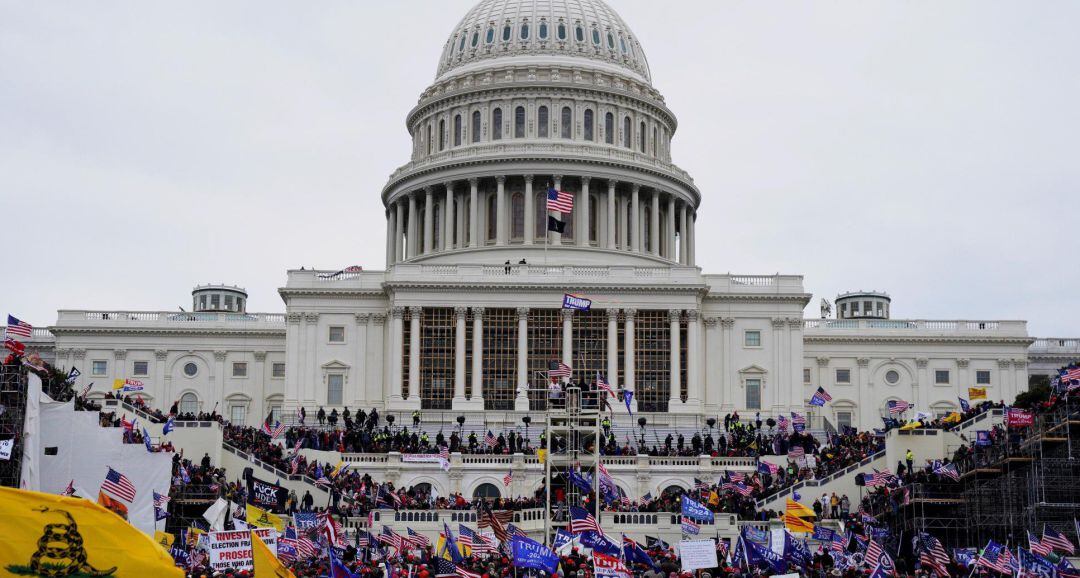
<point x="524" y="31"/>
<point x="566" y="122"/>
<point x="476" y="126"/>
<point x="588" y="124"/>
<point x="542" y="122"/>
<point x="461" y="45"/>
<point x="609" y="128"/>
<point x="490" y="36"/>
<point x="561" y="31"/>
<point x="610" y="41"/>
<point x="506" y="33"/>
<point x="475" y="39"/>
<point x="543" y="31"/>
<point x="579" y="33"/>
<point x="519" y="122"/>
<point x="496" y="124"/>
<point x="596" y="36"/>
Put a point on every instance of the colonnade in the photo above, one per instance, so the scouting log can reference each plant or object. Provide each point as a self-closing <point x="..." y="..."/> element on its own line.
<point x="509" y="210"/>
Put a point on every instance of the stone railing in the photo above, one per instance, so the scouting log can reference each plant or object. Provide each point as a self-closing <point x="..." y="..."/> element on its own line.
<point x="1012" y="328"/>
<point x="412" y="272"/>
<point x="728" y="283"/>
<point x="72" y="316"/>
<point x="37" y="334"/>
<point x="1055" y="345"/>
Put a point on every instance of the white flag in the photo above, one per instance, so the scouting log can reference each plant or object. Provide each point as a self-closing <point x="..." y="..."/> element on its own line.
<point x="215" y="515"/>
<point x="6" y="447"/>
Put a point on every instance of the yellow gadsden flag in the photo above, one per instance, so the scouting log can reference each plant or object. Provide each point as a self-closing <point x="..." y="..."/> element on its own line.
<point x="164" y="538"/>
<point x="261" y="518"/>
<point x="266" y="564"/>
<point x="47" y="535"/>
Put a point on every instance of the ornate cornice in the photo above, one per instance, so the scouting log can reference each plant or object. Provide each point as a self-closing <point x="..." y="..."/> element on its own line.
<point x="778" y="322"/>
<point x="397" y="312"/>
<point x="674" y="315"/>
<point x="311" y="317"/>
<point x="161" y="354"/>
<point x="727" y="322"/>
<point x="523" y="313"/>
<point x="219" y="354"/>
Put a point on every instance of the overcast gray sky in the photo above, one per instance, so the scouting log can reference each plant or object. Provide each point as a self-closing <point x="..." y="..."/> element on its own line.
<point x="924" y="148"/>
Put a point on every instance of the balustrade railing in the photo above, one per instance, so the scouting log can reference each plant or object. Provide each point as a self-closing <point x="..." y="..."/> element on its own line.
<point x="956" y="326"/>
<point x="169" y="317"/>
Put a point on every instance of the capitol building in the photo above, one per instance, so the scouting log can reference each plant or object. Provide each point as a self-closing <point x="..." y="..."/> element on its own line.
<point x="465" y="315"/>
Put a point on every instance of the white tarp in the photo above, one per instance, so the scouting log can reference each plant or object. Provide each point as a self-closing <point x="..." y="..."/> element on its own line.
<point x="84" y="451"/>
<point x="30" y="476"/>
<point x="697" y="554"/>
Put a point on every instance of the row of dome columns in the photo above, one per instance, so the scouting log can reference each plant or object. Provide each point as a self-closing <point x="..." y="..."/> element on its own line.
<point x="412" y="377"/>
<point x="403" y="238"/>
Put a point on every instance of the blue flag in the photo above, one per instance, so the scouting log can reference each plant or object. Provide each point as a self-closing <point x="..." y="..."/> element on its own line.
<point x="579" y="481"/>
<point x="451" y="545"/>
<point x="823" y="534"/>
<point x="600" y="543"/>
<point x="169" y="426"/>
<point x="628" y="397"/>
<point x="696" y="511"/>
<point x="562" y="538"/>
<point x="964" y="405"/>
<point x="982" y="438"/>
<point x="964" y="556"/>
<point x="758" y="556"/>
<point x="529" y="553"/>
<point x="634" y="553"/>
<point x="1035" y="565"/>
<point x="797" y="552"/>
<point x="146" y="440"/>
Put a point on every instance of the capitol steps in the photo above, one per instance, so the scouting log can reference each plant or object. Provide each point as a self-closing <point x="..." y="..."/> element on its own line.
<point x="841" y="482"/>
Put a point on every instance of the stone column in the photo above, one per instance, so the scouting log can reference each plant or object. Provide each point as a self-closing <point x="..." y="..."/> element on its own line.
<point x="474" y="211"/>
<point x="654" y="223"/>
<point x="683" y="248"/>
<point x="727" y="325"/>
<point x="568" y="336"/>
<point x="292" y="356"/>
<point x="411" y="242"/>
<point x="581" y="232"/>
<point x="448" y="221"/>
<point x="1020" y="377"/>
<point x="556" y="238"/>
<point x="459" y="357"/>
<point x="635" y="219"/>
<point x="478" y="357"/>
<point x="414" y="353"/>
<point x="613" y="347"/>
<point x="521" y="402"/>
<point x="390" y="222"/>
<point x="459" y="216"/>
<point x="219" y="357"/>
<point x="501" y="229"/>
<point x="669" y="236"/>
<point x="312" y="321"/>
<point x="399" y="232"/>
<point x="623" y="237"/>
<point x="530" y="211"/>
<point x="693" y="361"/>
<point x="360" y="381"/>
<point x="690" y="226"/>
<point x="675" y="367"/>
<point x="628" y="347"/>
<point x="429" y="215"/>
<point x="397" y="349"/>
<point x="609" y="242"/>
<point x="710" y="387"/>
<point x="376" y="359"/>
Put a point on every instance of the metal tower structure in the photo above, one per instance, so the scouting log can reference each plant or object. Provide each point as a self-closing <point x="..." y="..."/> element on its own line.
<point x="573" y="445"/>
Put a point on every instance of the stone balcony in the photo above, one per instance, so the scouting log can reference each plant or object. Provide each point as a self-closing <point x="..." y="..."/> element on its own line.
<point x="1055" y="345"/>
<point x="80" y="319"/>
<point x="915" y="327"/>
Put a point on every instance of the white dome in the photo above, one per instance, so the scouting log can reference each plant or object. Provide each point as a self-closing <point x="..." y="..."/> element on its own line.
<point x="545" y="32"/>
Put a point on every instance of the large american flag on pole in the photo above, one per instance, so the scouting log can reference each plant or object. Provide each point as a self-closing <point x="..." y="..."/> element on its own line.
<point x="119" y="485"/>
<point x="559" y="369"/>
<point x="560" y="201"/>
<point x="18" y="327"/>
<point x="898" y="406"/>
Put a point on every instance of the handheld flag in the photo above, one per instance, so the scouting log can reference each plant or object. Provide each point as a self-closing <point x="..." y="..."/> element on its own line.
<point x="266" y="563"/>
<point x="820" y="397"/>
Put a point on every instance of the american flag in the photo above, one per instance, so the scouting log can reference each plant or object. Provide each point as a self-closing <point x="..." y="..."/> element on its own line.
<point x="768" y="467"/>
<point x="323" y="482"/>
<point x="508" y="478"/>
<point x="391" y="538"/>
<point x="796" y="451"/>
<point x="604" y="385"/>
<point x="560" y="201"/>
<point x="559" y="369"/>
<point x="798" y="422"/>
<point x="582" y="521"/>
<point x="127" y="424"/>
<point x="161" y="501"/>
<point x="1036" y="546"/>
<point x="996" y="557"/>
<point x="478" y="543"/>
<point x="465" y="573"/>
<point x="497" y="521"/>
<point x="839" y="543"/>
<point x="1068" y="374"/>
<point x="781" y="422"/>
<point x="17" y="327"/>
<point x="873" y="553"/>
<point x="949" y="471"/>
<point x="119" y="485"/>
<point x="444" y="452"/>
<point x="274" y="432"/>
<point x="820" y="397"/>
<point x="739" y="488"/>
<point x="418" y="540"/>
<point x="515" y="531"/>
<point x="932" y="553"/>
<point x="490" y="440"/>
<point x="331" y="528"/>
<point x="1057" y="540"/>
<point x="898" y="406"/>
<point x="878" y="478"/>
<point x="736" y="476"/>
<point x="701" y="485"/>
<point x="305" y="548"/>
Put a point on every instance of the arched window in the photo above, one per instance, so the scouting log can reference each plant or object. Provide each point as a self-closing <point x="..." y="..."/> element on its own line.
<point x="672" y="492"/>
<point x="519" y="122"/>
<point x="627" y="136"/>
<point x="654" y="149"/>
<point x="506" y="33"/>
<point x="490" y="36"/>
<point x="610" y="41"/>
<point x="596" y="36"/>
<point x="579" y="33"/>
<point x="430" y="140"/>
<point x="641" y="137"/>
<point x="609" y="128"/>
<point x="461" y="45"/>
<point x="541" y="214"/>
<point x="475" y="38"/>
<point x="517" y="224"/>
<point x="542" y="122"/>
<point x="588" y="124"/>
<point x="492" y="218"/>
<point x="189" y="403"/>
<point x="524" y="31"/>
<point x="543" y="30"/>
<point x="486" y="491"/>
<point x="476" y="126"/>
<point x="442" y="134"/>
<point x="561" y="31"/>
<point x="457" y="130"/>
<point x="594" y="218"/>
<point x="622" y="43"/>
<point x="566" y="122"/>
<point x="496" y="124"/>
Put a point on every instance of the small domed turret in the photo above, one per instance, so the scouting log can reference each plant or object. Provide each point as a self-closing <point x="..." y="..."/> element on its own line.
<point x="219" y="298"/>
<point x="863" y="305"/>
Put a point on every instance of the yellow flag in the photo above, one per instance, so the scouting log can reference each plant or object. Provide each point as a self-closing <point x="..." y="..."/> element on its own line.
<point x="976" y="393"/>
<point x="118" y="384"/>
<point x="193" y="534"/>
<point x="541" y="454"/>
<point x="341" y="465"/>
<point x="261" y="518"/>
<point x="714" y="498"/>
<point x="796" y="509"/>
<point x="797" y="524"/>
<point x="952" y="417"/>
<point x="48" y="533"/>
<point x="266" y="563"/>
<point x="164" y="538"/>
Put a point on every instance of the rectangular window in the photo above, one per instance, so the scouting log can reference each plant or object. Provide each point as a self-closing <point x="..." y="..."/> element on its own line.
<point x="239" y="369"/>
<point x="99" y="367"/>
<point x="753" y="394"/>
<point x="229" y="303"/>
<point x="278" y="370"/>
<point x="982" y="377"/>
<point x="275" y="413"/>
<point x="941" y="376"/>
<point x="843" y="418"/>
<point x="140" y="368"/>
<point x="843" y="376"/>
<point x="215" y="303"/>
<point x="237" y="414"/>
<point x="806" y="375"/>
<point x="335" y="383"/>
<point x="337" y="334"/>
<point x="752" y="338"/>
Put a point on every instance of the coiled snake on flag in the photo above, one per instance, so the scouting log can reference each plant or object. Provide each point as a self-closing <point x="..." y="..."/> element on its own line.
<point x="60" y="551"/>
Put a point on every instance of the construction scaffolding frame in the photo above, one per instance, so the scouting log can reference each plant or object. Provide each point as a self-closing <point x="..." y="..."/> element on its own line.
<point x="12" y="416"/>
<point x="573" y="445"/>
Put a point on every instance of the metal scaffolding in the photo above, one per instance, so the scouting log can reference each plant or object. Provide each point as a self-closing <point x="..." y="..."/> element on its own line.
<point x="573" y="445"/>
<point x="12" y="411"/>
